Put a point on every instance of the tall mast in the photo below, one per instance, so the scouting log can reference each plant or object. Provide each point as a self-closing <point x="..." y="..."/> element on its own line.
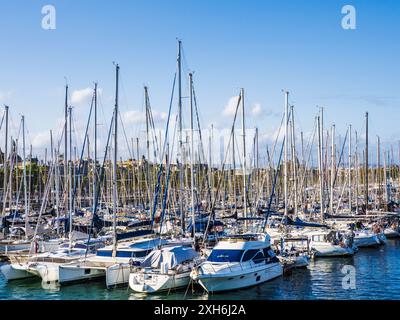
<point x="211" y="177"/>
<point x="115" y="164"/>
<point x="25" y="181"/>
<point x="52" y="163"/>
<point x="5" y="162"/>
<point x="95" y="148"/>
<point x="349" y="169"/>
<point x="320" y="165"/>
<point x="234" y="169"/>
<point x="179" y="62"/>
<point x="70" y="178"/>
<point x="146" y="99"/>
<point x="257" y="157"/>
<point x="192" y="155"/>
<point x="366" y="162"/>
<point x="293" y="143"/>
<point x="244" y="156"/>
<point x="285" y="155"/>
<point x="66" y="151"/>
<point x="385" y="179"/>
<point x="378" y="155"/>
<point x="356" y="165"/>
<point x="332" y="167"/>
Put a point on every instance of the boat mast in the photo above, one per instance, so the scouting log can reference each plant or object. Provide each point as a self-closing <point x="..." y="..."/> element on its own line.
<point x="70" y="178"/>
<point x="356" y="165"/>
<point x="65" y="151"/>
<point x="115" y="165"/>
<point x="332" y="167"/>
<point x="5" y="156"/>
<point x="366" y="163"/>
<point x="211" y="176"/>
<point x="257" y="157"/>
<point x="52" y="178"/>
<point x="244" y="157"/>
<point x="293" y="143"/>
<point x="95" y="148"/>
<point x="386" y="178"/>
<point x="146" y="99"/>
<point x="350" y="168"/>
<point x="234" y="169"/>
<point x="25" y="181"/>
<point x="378" y="155"/>
<point x="285" y="155"/>
<point x="179" y="62"/>
<point x="192" y="154"/>
<point x="321" y="175"/>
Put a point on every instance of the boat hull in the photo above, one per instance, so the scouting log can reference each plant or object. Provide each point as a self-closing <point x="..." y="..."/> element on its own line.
<point x="327" y="250"/>
<point x="72" y="274"/>
<point x="117" y="275"/>
<point x="226" y="282"/>
<point x="11" y="272"/>
<point x="153" y="283"/>
<point x="364" y="241"/>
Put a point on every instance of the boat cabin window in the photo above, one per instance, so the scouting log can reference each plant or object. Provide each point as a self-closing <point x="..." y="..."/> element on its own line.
<point x="268" y="252"/>
<point x="249" y="254"/>
<point x="219" y="255"/>
<point x="259" y="257"/>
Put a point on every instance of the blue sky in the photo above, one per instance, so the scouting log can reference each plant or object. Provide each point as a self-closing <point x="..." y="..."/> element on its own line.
<point x="262" y="46"/>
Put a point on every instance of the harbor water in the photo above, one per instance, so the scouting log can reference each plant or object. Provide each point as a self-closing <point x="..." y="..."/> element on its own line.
<point x="377" y="276"/>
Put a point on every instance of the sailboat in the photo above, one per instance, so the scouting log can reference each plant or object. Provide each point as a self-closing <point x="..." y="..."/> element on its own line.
<point x="164" y="269"/>
<point x="169" y="267"/>
<point x="331" y="243"/>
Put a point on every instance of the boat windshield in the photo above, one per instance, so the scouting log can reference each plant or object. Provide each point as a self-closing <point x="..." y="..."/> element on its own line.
<point x="218" y="255"/>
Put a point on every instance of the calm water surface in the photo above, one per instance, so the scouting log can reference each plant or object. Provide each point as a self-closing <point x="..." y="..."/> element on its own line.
<point x="377" y="277"/>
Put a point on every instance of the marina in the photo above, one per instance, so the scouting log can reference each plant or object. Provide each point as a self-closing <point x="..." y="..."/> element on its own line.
<point x="176" y="201"/>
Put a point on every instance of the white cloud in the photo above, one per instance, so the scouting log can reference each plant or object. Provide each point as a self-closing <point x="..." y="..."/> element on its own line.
<point x="230" y="108"/>
<point x="83" y="96"/>
<point x="135" y="117"/>
<point x="41" y="140"/>
<point x="256" y="110"/>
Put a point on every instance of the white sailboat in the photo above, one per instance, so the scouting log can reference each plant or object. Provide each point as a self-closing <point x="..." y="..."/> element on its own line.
<point x="164" y="269"/>
<point x="330" y="243"/>
<point x="366" y="238"/>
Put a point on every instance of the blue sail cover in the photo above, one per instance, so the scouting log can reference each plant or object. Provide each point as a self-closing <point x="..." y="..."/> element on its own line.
<point x="298" y="222"/>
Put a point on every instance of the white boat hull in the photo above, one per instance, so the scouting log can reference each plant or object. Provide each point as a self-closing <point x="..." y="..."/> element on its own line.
<point x="391" y="233"/>
<point x="117" y="275"/>
<point x="70" y="274"/>
<point x="226" y="282"/>
<point x="11" y="272"/>
<point x="367" y="240"/>
<point x="330" y="250"/>
<point x="155" y="282"/>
